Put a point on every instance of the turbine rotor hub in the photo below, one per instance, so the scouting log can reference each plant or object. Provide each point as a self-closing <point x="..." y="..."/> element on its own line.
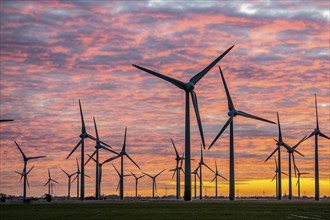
<point x="189" y="86"/>
<point x="232" y="113"/>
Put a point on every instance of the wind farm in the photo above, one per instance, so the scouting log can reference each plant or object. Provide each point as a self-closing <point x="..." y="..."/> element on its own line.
<point x="85" y="105"/>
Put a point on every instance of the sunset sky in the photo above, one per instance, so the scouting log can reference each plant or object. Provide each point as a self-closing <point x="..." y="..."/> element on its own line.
<point x="54" y="53"/>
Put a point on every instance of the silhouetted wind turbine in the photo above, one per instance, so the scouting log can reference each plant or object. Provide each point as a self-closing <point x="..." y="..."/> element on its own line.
<point x="154" y="186"/>
<point x="291" y="151"/>
<point x="6" y="120"/>
<point x="78" y="173"/>
<point x="136" y="182"/>
<point x="50" y="180"/>
<point x="69" y="181"/>
<point x="177" y="170"/>
<point x="216" y="174"/>
<point x="83" y="136"/>
<point x="121" y="155"/>
<point x="195" y="172"/>
<point x="189" y="89"/>
<point x="25" y="159"/>
<point x="201" y="163"/>
<point x="298" y="181"/>
<point x="277" y="171"/>
<point x="121" y="177"/>
<point x="279" y="143"/>
<point x="23" y="175"/>
<point x="98" y="166"/>
<point x="233" y="113"/>
<point x="317" y="133"/>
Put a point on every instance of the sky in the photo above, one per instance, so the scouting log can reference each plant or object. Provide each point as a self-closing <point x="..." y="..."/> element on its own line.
<point x="55" y="53"/>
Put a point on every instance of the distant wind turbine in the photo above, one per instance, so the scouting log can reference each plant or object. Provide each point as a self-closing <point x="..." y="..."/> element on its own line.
<point x="25" y="174"/>
<point x="25" y="159"/>
<point x="177" y="170"/>
<point x="49" y="182"/>
<point x="121" y="177"/>
<point x="317" y="133"/>
<point x="298" y="181"/>
<point x="69" y="181"/>
<point x="78" y="174"/>
<point x="232" y="114"/>
<point x="277" y="173"/>
<point x="216" y="174"/>
<point x="83" y="136"/>
<point x="189" y="90"/>
<point x="121" y="156"/>
<point x="195" y="172"/>
<point x="154" y="186"/>
<point x="136" y="182"/>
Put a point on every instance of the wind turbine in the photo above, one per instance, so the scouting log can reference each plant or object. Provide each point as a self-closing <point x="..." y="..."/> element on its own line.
<point x="121" y="155"/>
<point x="69" y="181"/>
<point x="154" y="186"/>
<point x="317" y="133"/>
<point x="291" y="151"/>
<point x="216" y="174"/>
<point x="25" y="159"/>
<point x="136" y="182"/>
<point x="279" y="143"/>
<point x="201" y="163"/>
<point x="50" y="180"/>
<point x="83" y="136"/>
<point x="177" y="170"/>
<point x="98" y="166"/>
<point x="277" y="173"/>
<point x="189" y="90"/>
<point x="195" y="172"/>
<point x="6" y="120"/>
<point x="78" y="173"/>
<point x="25" y="174"/>
<point x="121" y="177"/>
<point x="298" y="181"/>
<point x="233" y="113"/>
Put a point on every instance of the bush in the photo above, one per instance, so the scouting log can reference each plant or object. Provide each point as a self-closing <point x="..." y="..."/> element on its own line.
<point x="3" y="197"/>
<point x="48" y="197"/>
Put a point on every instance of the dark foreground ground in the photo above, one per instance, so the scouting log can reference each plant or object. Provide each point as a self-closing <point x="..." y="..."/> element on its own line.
<point x="168" y="210"/>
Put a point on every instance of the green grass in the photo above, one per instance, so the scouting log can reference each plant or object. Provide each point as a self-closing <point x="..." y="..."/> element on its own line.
<point x="167" y="210"/>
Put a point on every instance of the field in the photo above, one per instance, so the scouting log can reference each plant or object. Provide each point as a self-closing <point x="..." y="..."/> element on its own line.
<point x="168" y="210"/>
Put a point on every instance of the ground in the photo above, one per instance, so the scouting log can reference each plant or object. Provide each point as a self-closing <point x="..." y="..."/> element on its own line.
<point x="167" y="210"/>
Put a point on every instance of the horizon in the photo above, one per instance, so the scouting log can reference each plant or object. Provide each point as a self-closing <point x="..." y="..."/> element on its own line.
<point x="54" y="53"/>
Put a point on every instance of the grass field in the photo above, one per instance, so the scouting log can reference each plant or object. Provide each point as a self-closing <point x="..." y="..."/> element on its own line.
<point x="168" y="210"/>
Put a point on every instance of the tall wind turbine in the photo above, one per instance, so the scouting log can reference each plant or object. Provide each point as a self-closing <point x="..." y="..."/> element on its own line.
<point x="277" y="173"/>
<point x="233" y="113"/>
<point x="317" y="133"/>
<point x="189" y="90"/>
<point x="83" y="136"/>
<point x="121" y="155"/>
<point x="98" y="166"/>
<point x="49" y="182"/>
<point x="25" y="174"/>
<point x="177" y="170"/>
<point x="25" y="159"/>
<point x="121" y="177"/>
<point x="78" y="174"/>
<point x="136" y="182"/>
<point x="291" y="151"/>
<point x="69" y="181"/>
<point x="154" y="186"/>
<point x="279" y="143"/>
<point x="201" y="163"/>
<point x="195" y="172"/>
<point x="216" y="174"/>
<point x="298" y="181"/>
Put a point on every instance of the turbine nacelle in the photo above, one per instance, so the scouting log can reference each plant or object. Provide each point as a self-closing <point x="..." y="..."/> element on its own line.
<point x="190" y="86"/>
<point x="233" y="113"/>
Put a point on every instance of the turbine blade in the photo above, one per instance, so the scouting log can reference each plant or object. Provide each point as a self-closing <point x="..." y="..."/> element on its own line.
<point x="173" y="172"/>
<point x="148" y="175"/>
<point x="216" y="166"/>
<point x="299" y="153"/>
<point x="271" y="154"/>
<point x="47" y="182"/>
<point x="208" y="167"/>
<point x="160" y="173"/>
<point x="29" y="171"/>
<point x="294" y="165"/>
<point x="297" y="182"/>
<point x="213" y="179"/>
<point x="304" y="173"/>
<point x="201" y="74"/>
<point x="195" y="103"/>
<point x="311" y="135"/>
<point x="323" y="135"/>
<point x="31" y="158"/>
<point x="279" y="128"/>
<point x="116" y="170"/>
<point x="48" y="173"/>
<point x="94" y="139"/>
<point x="91" y="157"/>
<point x="74" y="178"/>
<point x="229" y="100"/>
<point x="274" y="177"/>
<point x="175" y="82"/>
<point x="155" y="186"/>
<point x="176" y="152"/>
<point x="77" y="165"/>
<point x="222" y="177"/>
<point x="317" y="115"/>
<point x="112" y="158"/>
<point x="118" y="185"/>
<point x="54" y="181"/>
<point x="5" y="120"/>
<point x="83" y="128"/>
<point x="95" y="127"/>
<point x="221" y="131"/>
<point x="132" y="161"/>
<point x="27" y="181"/>
<point x="244" y="114"/>
<point x="107" y="149"/>
<point x="276" y="163"/>
<point x="284" y="173"/>
<point x="124" y="144"/>
<point x="20" y="150"/>
<point x="133" y="174"/>
<point x="75" y="147"/>
<point x="295" y="146"/>
<point x="65" y="172"/>
<point x="87" y="175"/>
